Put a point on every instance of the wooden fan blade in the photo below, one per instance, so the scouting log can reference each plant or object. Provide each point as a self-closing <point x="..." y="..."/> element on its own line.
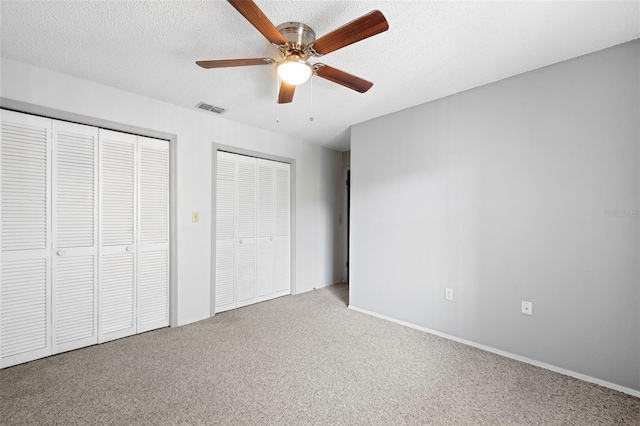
<point x="235" y="62"/>
<point x="364" y="27"/>
<point x="254" y="15"/>
<point x="286" y="93"/>
<point x="344" y="79"/>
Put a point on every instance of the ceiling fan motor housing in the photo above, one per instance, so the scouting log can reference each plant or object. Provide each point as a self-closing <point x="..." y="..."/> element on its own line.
<point x="298" y="36"/>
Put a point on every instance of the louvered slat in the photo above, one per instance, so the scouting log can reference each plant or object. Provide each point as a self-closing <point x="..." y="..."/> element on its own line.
<point x="265" y="270"/>
<point x="225" y="276"/>
<point x="246" y="270"/>
<point x="266" y="199"/>
<point x="117" y="290"/>
<point x="225" y="198"/>
<point x="75" y="189"/>
<point x="75" y="297"/>
<point x="283" y="204"/>
<point x="24" y="299"/>
<point x="153" y="286"/>
<point x="246" y="190"/>
<point x="226" y="166"/>
<point x="24" y="186"/>
<point x="118" y="180"/>
<point x="282" y="264"/>
<point x="154" y="194"/>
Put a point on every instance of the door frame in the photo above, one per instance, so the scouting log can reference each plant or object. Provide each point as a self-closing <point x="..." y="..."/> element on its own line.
<point x="345" y="221"/>
<point x="292" y="200"/>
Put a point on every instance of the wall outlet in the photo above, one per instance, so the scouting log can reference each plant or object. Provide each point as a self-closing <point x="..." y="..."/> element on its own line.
<point x="195" y="217"/>
<point x="448" y="293"/>
<point x="526" y="308"/>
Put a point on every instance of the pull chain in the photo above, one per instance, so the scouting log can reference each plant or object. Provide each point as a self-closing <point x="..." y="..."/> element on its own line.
<point x="277" y="95"/>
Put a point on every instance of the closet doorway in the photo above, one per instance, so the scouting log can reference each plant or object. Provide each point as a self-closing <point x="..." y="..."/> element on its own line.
<point x="84" y="236"/>
<point x="252" y="230"/>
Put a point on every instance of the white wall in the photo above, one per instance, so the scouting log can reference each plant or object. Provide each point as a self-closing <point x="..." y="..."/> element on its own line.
<point x="502" y="193"/>
<point x="317" y="195"/>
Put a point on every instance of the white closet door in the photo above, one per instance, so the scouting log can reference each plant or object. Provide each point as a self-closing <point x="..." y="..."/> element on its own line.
<point x="252" y="230"/>
<point x="117" y="309"/>
<point x="246" y="225"/>
<point x="266" y="229"/>
<point x="153" y="242"/>
<point x="75" y="236"/>
<point x="282" y="280"/>
<point x="25" y="238"/>
<point x="225" y="279"/>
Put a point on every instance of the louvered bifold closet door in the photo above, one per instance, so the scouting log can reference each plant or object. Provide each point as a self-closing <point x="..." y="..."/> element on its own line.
<point x="153" y="241"/>
<point x="266" y="229"/>
<point x="246" y="225"/>
<point x="282" y="280"/>
<point x="117" y="266"/>
<point x="75" y="236"/>
<point x="225" y="261"/>
<point x="25" y="238"/>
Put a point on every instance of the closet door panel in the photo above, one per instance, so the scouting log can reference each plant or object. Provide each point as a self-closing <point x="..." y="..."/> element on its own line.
<point x="26" y="161"/>
<point x="153" y="244"/>
<point x="74" y="303"/>
<point x="25" y="306"/>
<point x="265" y="269"/>
<point x="225" y="267"/>
<point x="118" y="213"/>
<point x="246" y="225"/>
<point x="246" y="271"/>
<point x="225" y="277"/>
<point x="117" y="294"/>
<point x="282" y="284"/>
<point x="283" y="266"/>
<point x="25" y="238"/>
<point x="75" y="235"/>
<point x="266" y="228"/>
<point x="153" y="290"/>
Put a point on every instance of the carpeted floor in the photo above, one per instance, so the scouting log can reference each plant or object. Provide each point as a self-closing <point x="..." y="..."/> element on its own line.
<point x="298" y="360"/>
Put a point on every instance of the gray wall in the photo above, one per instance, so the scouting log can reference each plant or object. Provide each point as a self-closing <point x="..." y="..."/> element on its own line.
<point x="502" y="193"/>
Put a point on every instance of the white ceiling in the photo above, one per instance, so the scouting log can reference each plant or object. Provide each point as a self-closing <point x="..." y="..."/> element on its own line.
<point x="431" y="50"/>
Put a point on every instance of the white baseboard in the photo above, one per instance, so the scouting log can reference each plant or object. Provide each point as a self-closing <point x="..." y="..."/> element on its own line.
<point x="317" y="287"/>
<point x="570" y="373"/>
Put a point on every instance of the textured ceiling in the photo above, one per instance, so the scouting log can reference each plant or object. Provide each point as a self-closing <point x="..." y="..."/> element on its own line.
<point x="431" y="50"/>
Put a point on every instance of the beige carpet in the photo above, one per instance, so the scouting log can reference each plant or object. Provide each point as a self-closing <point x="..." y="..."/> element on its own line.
<point x="298" y="360"/>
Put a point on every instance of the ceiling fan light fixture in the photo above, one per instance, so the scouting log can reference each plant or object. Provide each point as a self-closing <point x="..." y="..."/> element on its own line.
<point x="294" y="71"/>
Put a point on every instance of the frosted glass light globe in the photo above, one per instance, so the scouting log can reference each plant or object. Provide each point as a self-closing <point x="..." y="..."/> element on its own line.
<point x="294" y="71"/>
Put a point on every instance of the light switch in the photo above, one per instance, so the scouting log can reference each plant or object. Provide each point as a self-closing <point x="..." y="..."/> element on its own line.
<point x="195" y="217"/>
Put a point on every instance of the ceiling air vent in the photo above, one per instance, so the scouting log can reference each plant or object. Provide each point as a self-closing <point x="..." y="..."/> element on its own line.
<point x="211" y="108"/>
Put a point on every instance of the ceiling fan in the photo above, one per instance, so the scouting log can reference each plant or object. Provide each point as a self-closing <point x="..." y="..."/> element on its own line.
<point x="297" y="43"/>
